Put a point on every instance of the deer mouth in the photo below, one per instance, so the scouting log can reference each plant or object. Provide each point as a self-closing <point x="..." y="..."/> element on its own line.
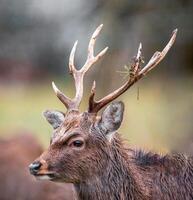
<point x="46" y="176"/>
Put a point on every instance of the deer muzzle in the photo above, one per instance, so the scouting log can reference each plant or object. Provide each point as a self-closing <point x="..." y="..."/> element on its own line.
<point x="39" y="169"/>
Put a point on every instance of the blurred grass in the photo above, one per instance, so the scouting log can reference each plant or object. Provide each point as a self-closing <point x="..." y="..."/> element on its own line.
<point x="160" y="120"/>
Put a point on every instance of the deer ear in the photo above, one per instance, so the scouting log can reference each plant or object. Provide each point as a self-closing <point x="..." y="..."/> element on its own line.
<point x="112" y="117"/>
<point x="55" y="118"/>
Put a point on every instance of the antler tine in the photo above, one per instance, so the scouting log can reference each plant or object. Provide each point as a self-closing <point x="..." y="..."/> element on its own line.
<point x="91" y="59"/>
<point x="71" y="58"/>
<point x="78" y="75"/>
<point x="95" y="106"/>
<point x="138" y="58"/>
<point x="63" y="98"/>
<point x="158" y="56"/>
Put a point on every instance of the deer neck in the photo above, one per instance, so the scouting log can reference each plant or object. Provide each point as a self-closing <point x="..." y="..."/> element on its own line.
<point x="120" y="179"/>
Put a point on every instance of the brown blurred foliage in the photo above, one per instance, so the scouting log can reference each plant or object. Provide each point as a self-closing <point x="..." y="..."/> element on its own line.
<point x="16" y="182"/>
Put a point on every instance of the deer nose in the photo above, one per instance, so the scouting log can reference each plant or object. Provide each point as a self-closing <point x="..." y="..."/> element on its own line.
<point x="35" y="167"/>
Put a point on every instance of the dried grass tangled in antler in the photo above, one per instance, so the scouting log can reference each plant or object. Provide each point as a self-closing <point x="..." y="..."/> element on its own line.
<point x="136" y="73"/>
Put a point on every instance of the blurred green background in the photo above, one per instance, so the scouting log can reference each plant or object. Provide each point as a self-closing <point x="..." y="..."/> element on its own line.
<point x="36" y="37"/>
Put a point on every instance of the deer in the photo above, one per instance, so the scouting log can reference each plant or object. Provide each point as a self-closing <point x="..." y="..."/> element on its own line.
<point x="87" y="150"/>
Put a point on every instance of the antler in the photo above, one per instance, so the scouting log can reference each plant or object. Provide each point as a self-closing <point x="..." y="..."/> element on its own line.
<point x="135" y="74"/>
<point x="78" y="75"/>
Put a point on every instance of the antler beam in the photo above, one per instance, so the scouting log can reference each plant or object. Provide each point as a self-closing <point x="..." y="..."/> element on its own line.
<point x="78" y="75"/>
<point x="95" y="106"/>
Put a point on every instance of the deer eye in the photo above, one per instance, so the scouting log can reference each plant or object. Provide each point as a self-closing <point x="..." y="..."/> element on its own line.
<point x="77" y="143"/>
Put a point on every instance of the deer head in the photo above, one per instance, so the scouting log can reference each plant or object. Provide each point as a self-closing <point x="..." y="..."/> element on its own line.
<point x="81" y="142"/>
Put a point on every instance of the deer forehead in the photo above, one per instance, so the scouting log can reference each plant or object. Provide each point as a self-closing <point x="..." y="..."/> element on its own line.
<point x="74" y="123"/>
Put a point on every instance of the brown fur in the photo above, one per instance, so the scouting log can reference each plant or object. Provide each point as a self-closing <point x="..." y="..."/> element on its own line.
<point x="105" y="169"/>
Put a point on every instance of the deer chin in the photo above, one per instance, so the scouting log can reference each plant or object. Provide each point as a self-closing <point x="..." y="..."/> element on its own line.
<point x="44" y="177"/>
